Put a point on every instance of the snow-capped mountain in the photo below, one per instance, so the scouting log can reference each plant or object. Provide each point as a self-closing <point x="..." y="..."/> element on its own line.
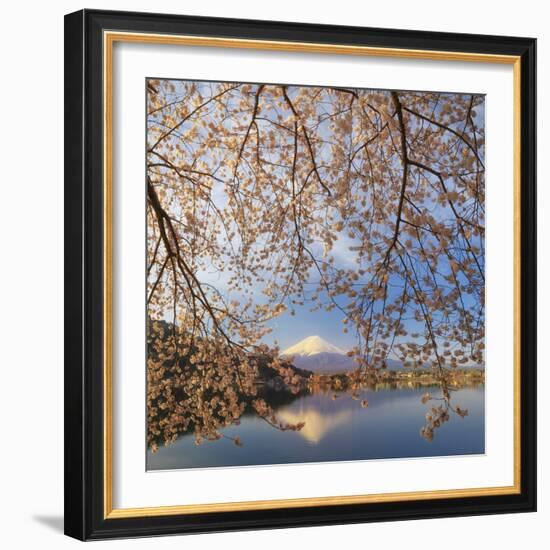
<point x="317" y="355"/>
<point x="312" y="345"/>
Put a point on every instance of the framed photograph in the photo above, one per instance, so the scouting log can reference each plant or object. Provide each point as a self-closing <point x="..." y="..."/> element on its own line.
<point x="300" y="274"/>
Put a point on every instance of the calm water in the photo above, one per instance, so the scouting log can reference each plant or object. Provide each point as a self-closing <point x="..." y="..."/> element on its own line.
<point x="339" y="430"/>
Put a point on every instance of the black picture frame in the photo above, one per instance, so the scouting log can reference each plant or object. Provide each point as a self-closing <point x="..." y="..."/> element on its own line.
<point x="84" y="282"/>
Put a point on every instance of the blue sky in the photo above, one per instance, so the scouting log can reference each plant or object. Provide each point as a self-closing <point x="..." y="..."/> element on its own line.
<point x="288" y="329"/>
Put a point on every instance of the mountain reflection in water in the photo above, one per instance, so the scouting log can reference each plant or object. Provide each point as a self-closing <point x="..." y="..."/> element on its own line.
<point x="338" y="428"/>
<point x="317" y="424"/>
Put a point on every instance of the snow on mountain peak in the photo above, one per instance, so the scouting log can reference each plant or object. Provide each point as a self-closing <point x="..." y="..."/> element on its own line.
<point x="312" y="345"/>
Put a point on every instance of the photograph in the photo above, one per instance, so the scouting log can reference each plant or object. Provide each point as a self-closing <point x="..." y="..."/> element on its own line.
<point x="315" y="274"/>
<point x="299" y="272"/>
<point x="274" y="282"/>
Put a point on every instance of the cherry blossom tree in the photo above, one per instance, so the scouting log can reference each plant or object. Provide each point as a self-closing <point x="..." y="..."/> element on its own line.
<point x="254" y="194"/>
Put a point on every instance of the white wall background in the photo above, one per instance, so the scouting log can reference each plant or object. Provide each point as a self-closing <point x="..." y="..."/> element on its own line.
<point x="31" y="274"/>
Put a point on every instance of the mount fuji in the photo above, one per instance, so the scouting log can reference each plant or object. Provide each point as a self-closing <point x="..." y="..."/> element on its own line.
<point x="317" y="355"/>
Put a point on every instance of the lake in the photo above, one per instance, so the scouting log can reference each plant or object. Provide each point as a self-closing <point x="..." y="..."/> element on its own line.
<point x="339" y="429"/>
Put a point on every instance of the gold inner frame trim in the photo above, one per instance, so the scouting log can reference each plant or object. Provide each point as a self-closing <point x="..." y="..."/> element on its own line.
<point x="109" y="39"/>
